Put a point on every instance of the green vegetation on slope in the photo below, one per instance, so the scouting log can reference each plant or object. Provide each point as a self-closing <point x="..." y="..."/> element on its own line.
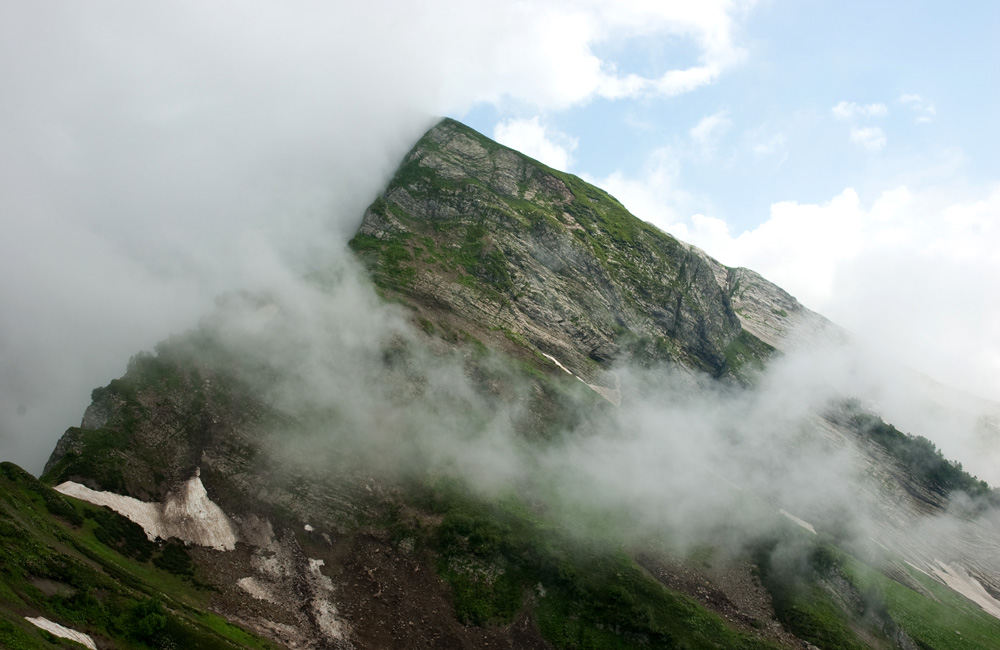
<point x="499" y="558"/>
<point x="941" y="620"/>
<point x="746" y="355"/>
<point x="837" y="602"/>
<point x="813" y="597"/>
<point x="388" y="257"/>
<point x="55" y="563"/>
<point x="918" y="454"/>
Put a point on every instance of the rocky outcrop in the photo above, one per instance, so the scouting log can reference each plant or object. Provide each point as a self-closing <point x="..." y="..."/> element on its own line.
<point x="767" y="311"/>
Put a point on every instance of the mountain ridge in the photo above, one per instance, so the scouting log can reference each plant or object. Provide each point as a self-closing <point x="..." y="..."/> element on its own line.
<point x="650" y="292"/>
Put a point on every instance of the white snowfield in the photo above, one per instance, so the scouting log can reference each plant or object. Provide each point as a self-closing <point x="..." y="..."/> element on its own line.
<point x="613" y="395"/>
<point x="253" y="586"/>
<point x="956" y="577"/>
<point x="323" y="609"/>
<point x="801" y="522"/>
<point x="62" y="632"/>
<point x="187" y="513"/>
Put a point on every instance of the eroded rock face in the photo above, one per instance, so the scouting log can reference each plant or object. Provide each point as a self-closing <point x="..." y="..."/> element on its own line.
<point x="497" y="240"/>
<point x="767" y="311"/>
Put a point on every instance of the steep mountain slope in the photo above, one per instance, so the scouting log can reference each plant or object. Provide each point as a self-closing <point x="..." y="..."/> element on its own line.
<point x="349" y="471"/>
<point x="97" y="574"/>
<point x="486" y="234"/>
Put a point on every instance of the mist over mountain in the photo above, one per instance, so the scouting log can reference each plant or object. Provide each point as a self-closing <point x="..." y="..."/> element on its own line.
<point x="515" y="415"/>
<point x="158" y="156"/>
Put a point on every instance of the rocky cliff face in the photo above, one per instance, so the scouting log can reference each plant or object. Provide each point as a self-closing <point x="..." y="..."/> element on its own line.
<point x="768" y="312"/>
<point x="479" y="232"/>
<point x="522" y="276"/>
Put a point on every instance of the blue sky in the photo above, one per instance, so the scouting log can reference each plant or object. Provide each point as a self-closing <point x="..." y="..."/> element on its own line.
<point x="802" y="59"/>
<point x="867" y="123"/>
<point x="158" y="154"/>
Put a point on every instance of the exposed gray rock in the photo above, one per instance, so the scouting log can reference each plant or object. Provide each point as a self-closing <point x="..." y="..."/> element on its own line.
<point x="548" y="258"/>
<point x="96" y="416"/>
<point x="767" y="311"/>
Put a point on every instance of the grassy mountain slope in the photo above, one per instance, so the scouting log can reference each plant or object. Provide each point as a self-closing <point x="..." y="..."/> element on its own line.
<point x="94" y="571"/>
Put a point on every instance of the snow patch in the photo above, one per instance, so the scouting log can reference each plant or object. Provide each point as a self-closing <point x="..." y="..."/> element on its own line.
<point x="145" y="514"/>
<point x="253" y="587"/>
<point x="62" y="632"/>
<point x="613" y="395"/>
<point x="187" y="513"/>
<point x="190" y="515"/>
<point x="556" y="361"/>
<point x="801" y="522"/>
<point x="956" y="577"/>
<point x="259" y="532"/>
<point x="324" y="611"/>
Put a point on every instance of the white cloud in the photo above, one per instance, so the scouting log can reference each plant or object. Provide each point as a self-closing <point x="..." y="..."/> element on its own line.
<point x="775" y="144"/>
<point x="923" y="109"/>
<point x="654" y="194"/>
<point x="705" y="135"/>
<point x="710" y="127"/>
<point x="545" y="55"/>
<point x="181" y="144"/>
<point x="709" y="24"/>
<point x="871" y="138"/>
<point x="851" y="110"/>
<point x="532" y="138"/>
<point x="915" y="273"/>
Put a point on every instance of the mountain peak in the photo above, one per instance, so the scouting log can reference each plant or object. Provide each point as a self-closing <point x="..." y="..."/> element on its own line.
<point x="492" y="237"/>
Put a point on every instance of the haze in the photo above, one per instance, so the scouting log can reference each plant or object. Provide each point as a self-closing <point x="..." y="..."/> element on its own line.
<point x="154" y="156"/>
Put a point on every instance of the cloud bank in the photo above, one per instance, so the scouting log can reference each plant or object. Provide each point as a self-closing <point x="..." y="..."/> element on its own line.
<point x="685" y="459"/>
<point x="911" y="274"/>
<point x="533" y="139"/>
<point x="158" y="154"/>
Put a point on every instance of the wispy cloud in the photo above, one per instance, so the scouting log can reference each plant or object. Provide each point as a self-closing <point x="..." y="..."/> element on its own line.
<point x="773" y="145"/>
<point x="851" y="110"/>
<point x="923" y="109"/>
<point x="705" y="135"/>
<point x="531" y="137"/>
<point x="871" y="138"/>
<point x="172" y="153"/>
<point x="711" y="25"/>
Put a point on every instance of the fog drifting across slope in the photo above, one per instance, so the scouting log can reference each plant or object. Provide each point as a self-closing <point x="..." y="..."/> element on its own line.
<point x="155" y="157"/>
<point x="157" y="154"/>
<point x="684" y="457"/>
